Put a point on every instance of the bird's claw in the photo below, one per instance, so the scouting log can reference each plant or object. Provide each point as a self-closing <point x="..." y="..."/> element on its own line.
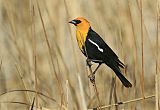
<point x="92" y="78"/>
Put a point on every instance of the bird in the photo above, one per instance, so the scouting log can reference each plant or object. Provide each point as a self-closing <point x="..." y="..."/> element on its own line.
<point x="96" y="50"/>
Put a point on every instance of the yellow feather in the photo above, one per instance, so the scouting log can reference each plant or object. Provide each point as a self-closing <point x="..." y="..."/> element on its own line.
<point x="81" y="38"/>
<point x="81" y="32"/>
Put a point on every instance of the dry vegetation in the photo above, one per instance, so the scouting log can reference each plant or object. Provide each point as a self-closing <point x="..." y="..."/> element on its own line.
<point x="40" y="59"/>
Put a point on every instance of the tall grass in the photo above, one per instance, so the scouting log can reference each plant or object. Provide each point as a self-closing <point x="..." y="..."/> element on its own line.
<point x="42" y="67"/>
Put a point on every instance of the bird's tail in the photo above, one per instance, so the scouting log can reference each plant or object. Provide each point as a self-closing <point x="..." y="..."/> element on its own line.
<point x="124" y="81"/>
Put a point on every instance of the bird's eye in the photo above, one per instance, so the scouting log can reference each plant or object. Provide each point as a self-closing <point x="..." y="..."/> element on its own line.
<point x="77" y="21"/>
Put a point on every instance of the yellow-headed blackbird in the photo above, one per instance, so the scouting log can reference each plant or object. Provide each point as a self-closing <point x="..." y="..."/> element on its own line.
<point x="94" y="48"/>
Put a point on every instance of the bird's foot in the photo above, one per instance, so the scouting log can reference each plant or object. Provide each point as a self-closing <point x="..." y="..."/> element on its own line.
<point x="92" y="78"/>
<point x="89" y="62"/>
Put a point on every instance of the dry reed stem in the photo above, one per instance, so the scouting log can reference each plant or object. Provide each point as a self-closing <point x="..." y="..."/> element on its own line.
<point x="34" y="53"/>
<point x="83" y="102"/>
<point x="33" y="91"/>
<point x="27" y="90"/>
<point x="115" y="95"/>
<point x="95" y="89"/>
<point x="142" y="49"/>
<point x="32" y="106"/>
<point x="23" y="82"/>
<point x="16" y="102"/>
<point x="156" y="90"/>
<point x="26" y="104"/>
<point x="1" y="65"/>
<point x="157" y="75"/>
<point x="126" y="102"/>
<point x="146" y="31"/>
<point x="67" y="95"/>
<point x="142" y="54"/>
<point x="111" y="90"/>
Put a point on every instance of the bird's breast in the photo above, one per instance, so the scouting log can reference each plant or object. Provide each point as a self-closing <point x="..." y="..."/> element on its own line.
<point x="81" y="38"/>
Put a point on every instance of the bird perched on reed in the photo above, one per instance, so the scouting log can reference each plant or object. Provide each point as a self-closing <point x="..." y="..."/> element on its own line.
<point x="96" y="50"/>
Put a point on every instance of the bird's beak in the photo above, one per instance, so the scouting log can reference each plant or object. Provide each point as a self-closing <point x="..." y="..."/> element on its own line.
<point x="73" y="22"/>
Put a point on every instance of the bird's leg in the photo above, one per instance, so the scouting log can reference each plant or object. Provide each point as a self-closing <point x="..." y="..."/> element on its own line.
<point x="94" y="72"/>
<point x="89" y="63"/>
<point x="92" y="75"/>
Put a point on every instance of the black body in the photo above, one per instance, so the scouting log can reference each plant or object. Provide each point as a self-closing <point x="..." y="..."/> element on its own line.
<point x="107" y="56"/>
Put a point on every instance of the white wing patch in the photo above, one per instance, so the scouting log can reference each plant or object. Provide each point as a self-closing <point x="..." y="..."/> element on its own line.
<point x="100" y="49"/>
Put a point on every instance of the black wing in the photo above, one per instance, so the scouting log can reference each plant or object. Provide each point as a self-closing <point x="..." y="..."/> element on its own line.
<point x="104" y="52"/>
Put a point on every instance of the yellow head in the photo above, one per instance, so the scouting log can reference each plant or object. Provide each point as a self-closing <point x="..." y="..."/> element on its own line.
<point x="81" y="24"/>
<point x="82" y="28"/>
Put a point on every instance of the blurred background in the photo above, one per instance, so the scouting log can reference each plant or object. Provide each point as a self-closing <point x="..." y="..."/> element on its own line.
<point x="39" y="52"/>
